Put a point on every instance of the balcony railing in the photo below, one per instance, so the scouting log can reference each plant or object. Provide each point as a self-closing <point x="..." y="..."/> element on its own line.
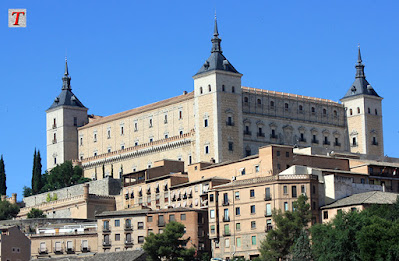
<point x="326" y="143"/>
<point x="85" y="249"/>
<point x="129" y="242"/>
<point x="128" y="227"/>
<point x="268" y="214"/>
<point x="315" y="141"/>
<point x="302" y="140"/>
<point x="58" y="250"/>
<point x="268" y="197"/>
<point x="273" y="136"/>
<point x="226" y="219"/>
<point x="374" y="143"/>
<point x="70" y="249"/>
<point x="247" y="133"/>
<point x="337" y="144"/>
<point x="107" y="243"/>
<point x="259" y="134"/>
<point x="268" y="228"/>
<point x="42" y="251"/>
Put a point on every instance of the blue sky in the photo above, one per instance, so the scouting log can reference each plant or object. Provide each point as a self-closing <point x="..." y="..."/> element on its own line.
<point x="123" y="54"/>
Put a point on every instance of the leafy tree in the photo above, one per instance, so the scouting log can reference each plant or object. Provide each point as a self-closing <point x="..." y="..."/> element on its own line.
<point x="302" y="250"/>
<point x="3" y="187"/>
<point x="36" y="213"/>
<point x="8" y="210"/>
<point x="37" y="173"/>
<point x="168" y="245"/>
<point x="27" y="191"/>
<point x="289" y="225"/>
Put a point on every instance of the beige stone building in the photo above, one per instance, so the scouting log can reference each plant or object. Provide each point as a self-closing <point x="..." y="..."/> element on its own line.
<point x="220" y="120"/>
<point x="14" y="245"/>
<point x="64" y="240"/>
<point x="121" y="230"/>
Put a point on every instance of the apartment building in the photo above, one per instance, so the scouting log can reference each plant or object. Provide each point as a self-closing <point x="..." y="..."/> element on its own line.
<point x="14" y="245"/>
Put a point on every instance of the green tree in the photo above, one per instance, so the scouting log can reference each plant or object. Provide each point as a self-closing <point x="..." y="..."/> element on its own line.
<point x="289" y="225"/>
<point x="37" y="173"/>
<point x="168" y="245"/>
<point x="302" y="250"/>
<point x="3" y="187"/>
<point x="8" y="210"/>
<point x="27" y="191"/>
<point x="36" y="213"/>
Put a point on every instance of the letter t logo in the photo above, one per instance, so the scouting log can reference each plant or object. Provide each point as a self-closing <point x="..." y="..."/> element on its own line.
<point x="16" y="17"/>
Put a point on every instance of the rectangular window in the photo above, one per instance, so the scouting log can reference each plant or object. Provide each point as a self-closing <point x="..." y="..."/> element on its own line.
<point x="268" y="196"/>
<point x="237" y="195"/>
<point x="293" y="188"/>
<point x="183" y="217"/>
<point x="257" y="168"/>
<point x="121" y="130"/>
<point x="253" y="209"/>
<point x="227" y="242"/>
<point x="172" y="218"/>
<point x="211" y="197"/>
<point x="303" y="190"/>
<point x="268" y="210"/>
<point x="212" y="213"/>
<point x="287" y="154"/>
<point x="225" y="199"/>
<point x="213" y="229"/>
<point x="238" y="211"/>
<point x="140" y="225"/>
<point x="269" y="224"/>
<point x="117" y="223"/>
<point x="180" y="115"/>
<point x="140" y="239"/>
<point x="206" y="123"/>
<point x="117" y="237"/>
<point x="238" y="241"/>
<point x="206" y="149"/>
<point x="325" y="214"/>
<point x="253" y="240"/>
<point x="286" y="206"/>
<point x="75" y="121"/>
<point x="230" y="146"/>
<point x="253" y="224"/>
<point x="149" y="218"/>
<point x="238" y="226"/>
<point x="252" y="193"/>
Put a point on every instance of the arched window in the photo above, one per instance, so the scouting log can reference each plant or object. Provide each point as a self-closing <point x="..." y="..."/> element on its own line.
<point x="324" y="112"/>
<point x="354" y="141"/>
<point x="246" y="99"/>
<point x="350" y="112"/>
<point x="300" y="108"/>
<point x="272" y="104"/>
<point x="313" y="110"/>
<point x="209" y="87"/>
<point x="286" y="106"/>
<point x="335" y="113"/>
<point x="233" y="90"/>
<point x="259" y="101"/>
<point x="200" y="90"/>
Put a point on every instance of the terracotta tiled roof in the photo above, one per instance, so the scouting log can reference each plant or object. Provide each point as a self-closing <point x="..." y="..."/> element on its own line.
<point x="141" y="109"/>
<point x="372" y="197"/>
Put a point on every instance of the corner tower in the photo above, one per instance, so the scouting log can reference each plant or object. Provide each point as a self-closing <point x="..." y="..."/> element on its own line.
<point x="63" y="118"/>
<point x="218" y="107"/>
<point x="364" y="115"/>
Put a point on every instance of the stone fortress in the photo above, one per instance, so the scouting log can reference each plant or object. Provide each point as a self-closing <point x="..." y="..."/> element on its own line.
<point x="218" y="159"/>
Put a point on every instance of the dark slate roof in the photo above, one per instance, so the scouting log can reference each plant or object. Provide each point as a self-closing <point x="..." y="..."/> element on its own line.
<point x="360" y="85"/>
<point x="216" y="61"/>
<point x="366" y="198"/>
<point x="66" y="97"/>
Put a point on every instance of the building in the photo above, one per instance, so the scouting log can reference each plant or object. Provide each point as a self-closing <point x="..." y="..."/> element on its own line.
<point x="219" y="121"/>
<point x="357" y="202"/>
<point x="194" y="220"/>
<point x="14" y="245"/>
<point x="121" y="230"/>
<point x="64" y="240"/>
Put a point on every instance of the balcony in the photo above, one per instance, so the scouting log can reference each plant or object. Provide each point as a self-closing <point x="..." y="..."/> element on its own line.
<point x="58" y="250"/>
<point x="106" y="229"/>
<point x="268" y="228"/>
<point x="226" y="233"/>
<point x="268" y="214"/>
<point x="268" y="198"/>
<point x="42" y="251"/>
<point x="128" y="242"/>
<point x="326" y="142"/>
<point x="226" y="219"/>
<point x="259" y="134"/>
<point x="273" y="136"/>
<point x="128" y="227"/>
<point x="225" y="203"/>
<point x="337" y="144"/>
<point x="302" y="140"/>
<point x="374" y="143"/>
<point x="229" y="123"/>
<point x="85" y="249"/>
<point x="70" y="250"/>
<point x="247" y="133"/>
<point x="107" y="243"/>
<point x="315" y="141"/>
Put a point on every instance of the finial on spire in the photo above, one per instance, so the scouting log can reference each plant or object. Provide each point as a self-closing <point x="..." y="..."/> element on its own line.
<point x="215" y="31"/>
<point x="359" y="56"/>
<point x="359" y="66"/>
<point x="66" y="67"/>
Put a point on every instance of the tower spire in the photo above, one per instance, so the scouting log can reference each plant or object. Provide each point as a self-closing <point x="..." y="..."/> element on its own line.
<point x="66" y="80"/>
<point x="359" y="66"/>
<point x="216" y="40"/>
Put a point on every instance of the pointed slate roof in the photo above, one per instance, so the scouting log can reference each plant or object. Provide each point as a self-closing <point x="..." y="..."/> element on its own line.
<point x="66" y="96"/>
<point x="216" y="61"/>
<point x="360" y="85"/>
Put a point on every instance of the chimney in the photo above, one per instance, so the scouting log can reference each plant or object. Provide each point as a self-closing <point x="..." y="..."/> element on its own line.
<point x="86" y="191"/>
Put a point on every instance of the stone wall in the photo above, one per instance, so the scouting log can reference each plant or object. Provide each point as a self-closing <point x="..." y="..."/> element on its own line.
<point x="104" y="187"/>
